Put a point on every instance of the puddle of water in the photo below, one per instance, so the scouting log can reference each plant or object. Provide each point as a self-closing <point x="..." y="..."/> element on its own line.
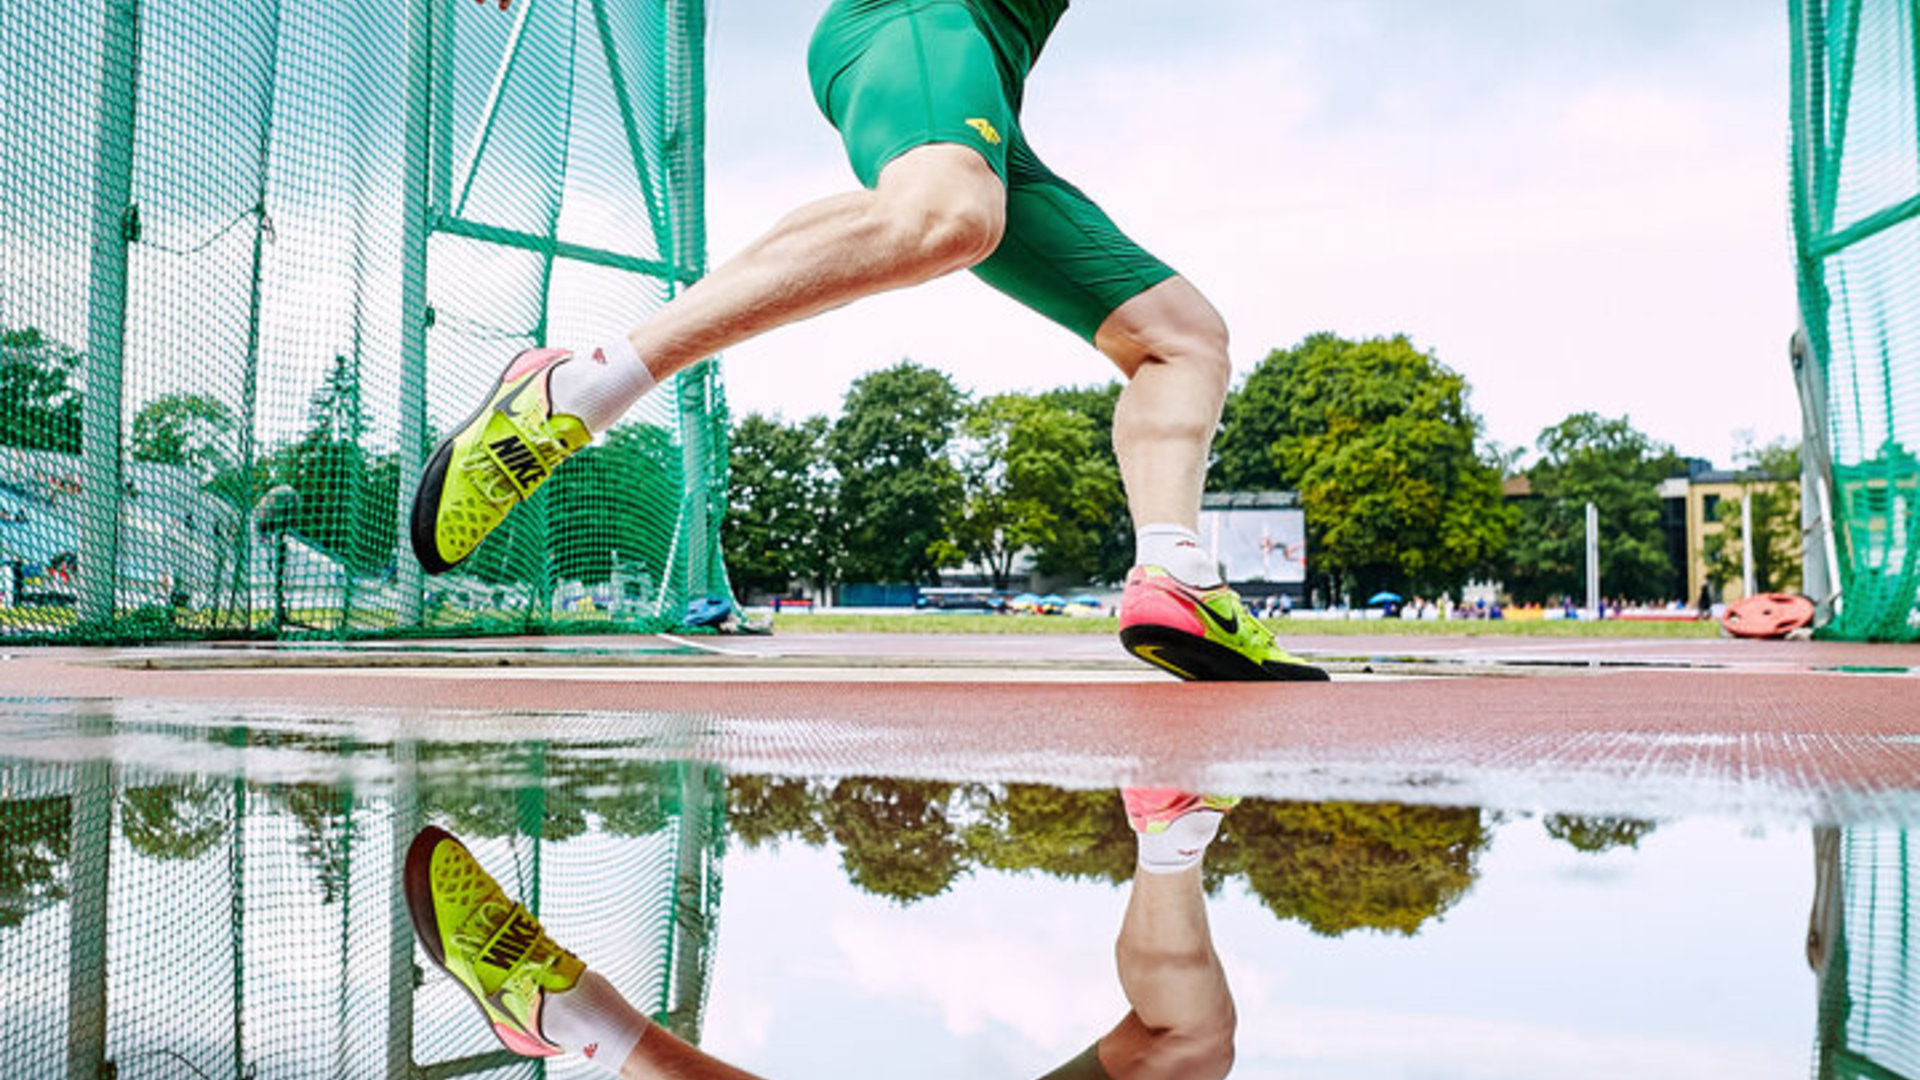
<point x="218" y="898"/>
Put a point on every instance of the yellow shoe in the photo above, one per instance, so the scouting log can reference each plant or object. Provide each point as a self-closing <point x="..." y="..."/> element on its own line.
<point x="493" y="947"/>
<point x="495" y="462"/>
<point x="1205" y="635"/>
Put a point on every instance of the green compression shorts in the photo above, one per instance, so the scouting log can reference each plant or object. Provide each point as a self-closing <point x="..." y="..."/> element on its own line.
<point x="893" y="75"/>
<point x="1085" y="1067"/>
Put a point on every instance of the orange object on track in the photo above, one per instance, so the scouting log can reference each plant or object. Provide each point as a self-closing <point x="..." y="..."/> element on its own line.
<point x="1768" y="615"/>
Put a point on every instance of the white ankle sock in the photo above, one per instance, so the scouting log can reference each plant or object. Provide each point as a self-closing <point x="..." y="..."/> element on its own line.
<point x="600" y="383"/>
<point x="1175" y="549"/>
<point x="595" y="1020"/>
<point x="1182" y="845"/>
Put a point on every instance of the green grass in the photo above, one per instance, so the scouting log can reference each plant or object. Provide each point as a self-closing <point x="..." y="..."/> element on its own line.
<point x="829" y="623"/>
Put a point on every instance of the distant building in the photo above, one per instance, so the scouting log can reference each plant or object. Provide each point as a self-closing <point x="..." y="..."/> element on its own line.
<point x="1691" y="514"/>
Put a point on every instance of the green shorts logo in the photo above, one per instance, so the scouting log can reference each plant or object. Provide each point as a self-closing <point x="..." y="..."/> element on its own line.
<point x="985" y="129"/>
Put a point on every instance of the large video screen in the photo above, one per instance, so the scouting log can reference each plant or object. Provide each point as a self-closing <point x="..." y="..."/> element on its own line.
<point x="1257" y="544"/>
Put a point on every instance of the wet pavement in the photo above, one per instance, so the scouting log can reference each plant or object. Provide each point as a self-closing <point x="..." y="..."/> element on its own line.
<point x="243" y="866"/>
<point x="821" y="856"/>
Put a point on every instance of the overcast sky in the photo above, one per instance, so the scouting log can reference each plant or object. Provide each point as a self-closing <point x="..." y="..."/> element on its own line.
<point x="1577" y="205"/>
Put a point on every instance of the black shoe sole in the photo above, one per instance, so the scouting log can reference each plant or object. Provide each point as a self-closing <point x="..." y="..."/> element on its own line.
<point x="1198" y="660"/>
<point x="417" y="880"/>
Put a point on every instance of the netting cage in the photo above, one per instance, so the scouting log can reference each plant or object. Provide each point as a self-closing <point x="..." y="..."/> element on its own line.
<point x="1856" y="217"/>
<point x="260" y="255"/>
<point x="248" y="922"/>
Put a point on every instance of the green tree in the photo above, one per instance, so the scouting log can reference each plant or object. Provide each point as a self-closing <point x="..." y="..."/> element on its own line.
<point x="1606" y="461"/>
<point x="1342" y="866"/>
<point x="1112" y="533"/>
<point x="40" y="393"/>
<point x="898" y="488"/>
<point x="1774" y="475"/>
<point x="619" y="497"/>
<point x="193" y="431"/>
<point x="348" y="499"/>
<point x="1377" y="438"/>
<point x="780" y="497"/>
<point x="1033" y="480"/>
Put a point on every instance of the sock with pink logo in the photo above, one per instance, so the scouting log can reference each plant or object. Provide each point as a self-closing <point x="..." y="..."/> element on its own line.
<point x="600" y="383"/>
<point x="595" y="1020"/>
<point x="1181" y="845"/>
<point x="1175" y="549"/>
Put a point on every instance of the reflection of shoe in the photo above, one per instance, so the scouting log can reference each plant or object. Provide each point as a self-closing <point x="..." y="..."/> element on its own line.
<point x="1153" y="810"/>
<point x="493" y="947"/>
<point x="1204" y="634"/>
<point x="498" y="458"/>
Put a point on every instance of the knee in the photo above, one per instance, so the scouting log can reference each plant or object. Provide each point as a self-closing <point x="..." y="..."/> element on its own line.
<point x="1170" y="325"/>
<point x="953" y="234"/>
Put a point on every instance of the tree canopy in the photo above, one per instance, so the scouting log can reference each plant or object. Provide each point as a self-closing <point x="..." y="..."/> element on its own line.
<point x="1377" y="438"/>
<point x="1608" y="462"/>
<point x="899" y="489"/>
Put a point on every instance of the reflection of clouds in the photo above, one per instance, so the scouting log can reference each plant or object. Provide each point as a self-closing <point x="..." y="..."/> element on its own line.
<point x="1486" y="183"/>
<point x="1319" y="1042"/>
<point x="1055" y="989"/>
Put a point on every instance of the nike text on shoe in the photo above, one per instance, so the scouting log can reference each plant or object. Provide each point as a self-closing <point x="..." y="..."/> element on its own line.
<point x="493" y="947"/>
<point x="493" y="463"/>
<point x="1202" y="634"/>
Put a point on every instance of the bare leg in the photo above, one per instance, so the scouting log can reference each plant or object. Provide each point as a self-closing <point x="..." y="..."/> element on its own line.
<point x="1182" y="1019"/>
<point x="661" y="1056"/>
<point x="1172" y="346"/>
<point x="936" y="209"/>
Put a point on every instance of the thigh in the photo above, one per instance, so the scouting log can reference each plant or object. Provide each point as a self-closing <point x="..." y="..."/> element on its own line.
<point x="1062" y="255"/>
<point x="893" y="75"/>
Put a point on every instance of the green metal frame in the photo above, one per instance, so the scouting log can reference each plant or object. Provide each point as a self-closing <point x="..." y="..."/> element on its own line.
<point x="437" y="206"/>
<point x="1826" y="45"/>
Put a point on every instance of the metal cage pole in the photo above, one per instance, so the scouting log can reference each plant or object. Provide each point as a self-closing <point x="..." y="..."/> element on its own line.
<point x="113" y="228"/>
<point x="414" y="194"/>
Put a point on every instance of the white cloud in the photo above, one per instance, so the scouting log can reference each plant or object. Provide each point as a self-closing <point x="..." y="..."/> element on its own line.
<point x="1570" y="218"/>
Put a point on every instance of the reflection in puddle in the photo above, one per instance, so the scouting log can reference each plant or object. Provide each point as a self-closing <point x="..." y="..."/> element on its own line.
<point x="224" y="901"/>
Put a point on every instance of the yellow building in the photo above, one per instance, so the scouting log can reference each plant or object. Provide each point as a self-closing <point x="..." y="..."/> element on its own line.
<point x="1699" y="498"/>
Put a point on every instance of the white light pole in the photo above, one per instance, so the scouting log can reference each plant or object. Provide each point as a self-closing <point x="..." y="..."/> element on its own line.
<point x="1593" y="561"/>
<point x="1746" y="541"/>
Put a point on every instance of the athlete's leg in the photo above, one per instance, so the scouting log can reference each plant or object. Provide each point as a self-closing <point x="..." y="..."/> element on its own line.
<point x="1182" y="1020"/>
<point x="937" y="209"/>
<point x="539" y="999"/>
<point x="1172" y="346"/>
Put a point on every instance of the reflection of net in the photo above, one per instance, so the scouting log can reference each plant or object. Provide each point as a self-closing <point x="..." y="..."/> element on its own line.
<point x="228" y="336"/>
<point x="280" y="948"/>
<point x="1869" y="992"/>
<point x="1857" y="225"/>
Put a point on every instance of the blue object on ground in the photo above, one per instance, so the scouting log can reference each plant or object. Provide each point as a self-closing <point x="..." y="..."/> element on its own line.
<point x="708" y="611"/>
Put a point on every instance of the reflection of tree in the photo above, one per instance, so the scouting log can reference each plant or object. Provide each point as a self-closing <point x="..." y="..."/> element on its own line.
<point x="322" y="811"/>
<point x="180" y="821"/>
<point x="1341" y="866"/>
<point x="1597" y="834"/>
<point x="1077" y="834"/>
<point x="34" y="849"/>
<point x="897" y="837"/>
<point x="767" y="809"/>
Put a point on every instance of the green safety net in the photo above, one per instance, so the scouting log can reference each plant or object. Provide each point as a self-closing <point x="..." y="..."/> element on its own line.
<point x="261" y="255"/>
<point x="1862" y="945"/>
<point x="245" y="918"/>
<point x="1856" y="216"/>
